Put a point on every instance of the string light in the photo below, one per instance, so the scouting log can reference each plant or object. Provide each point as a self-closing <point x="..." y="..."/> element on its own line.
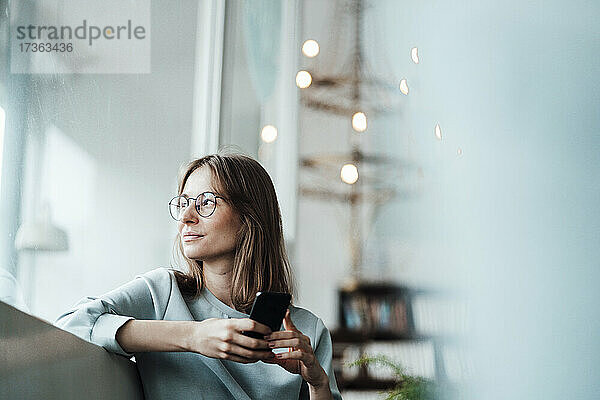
<point x="303" y="79"/>
<point x="268" y="134"/>
<point x="359" y="122"/>
<point x="459" y="151"/>
<point x="349" y="173"/>
<point x="310" y="48"/>
<point x="404" y="86"/>
<point x="438" y="132"/>
<point x="414" y="54"/>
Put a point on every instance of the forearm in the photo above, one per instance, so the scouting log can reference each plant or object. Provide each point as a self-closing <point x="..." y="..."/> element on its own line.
<point x="150" y="335"/>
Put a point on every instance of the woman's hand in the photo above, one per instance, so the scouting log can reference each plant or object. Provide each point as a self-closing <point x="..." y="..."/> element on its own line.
<point x="301" y="360"/>
<point x="223" y="339"/>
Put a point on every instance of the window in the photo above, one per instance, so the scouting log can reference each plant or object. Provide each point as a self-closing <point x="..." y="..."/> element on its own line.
<point x="2" y="119"/>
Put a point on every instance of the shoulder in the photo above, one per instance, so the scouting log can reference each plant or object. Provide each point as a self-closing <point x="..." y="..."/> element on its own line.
<point x="302" y="314"/>
<point x="160" y="284"/>
<point x="159" y="281"/>
<point x="160" y="274"/>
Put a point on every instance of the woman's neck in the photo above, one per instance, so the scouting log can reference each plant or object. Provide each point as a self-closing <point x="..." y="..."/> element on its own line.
<point x="217" y="278"/>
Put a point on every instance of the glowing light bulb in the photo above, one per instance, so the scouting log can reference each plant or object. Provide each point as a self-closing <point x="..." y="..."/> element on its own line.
<point x="303" y="79"/>
<point x="359" y="122"/>
<point x="268" y="134"/>
<point x="438" y="132"/>
<point x="404" y="86"/>
<point x="414" y="54"/>
<point x="310" y="48"/>
<point x="349" y="173"/>
<point x="459" y="151"/>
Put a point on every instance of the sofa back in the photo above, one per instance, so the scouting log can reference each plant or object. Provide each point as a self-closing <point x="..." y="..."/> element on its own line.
<point x="41" y="361"/>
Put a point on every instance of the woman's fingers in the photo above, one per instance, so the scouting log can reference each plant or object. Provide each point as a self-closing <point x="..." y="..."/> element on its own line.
<point x="288" y="335"/>
<point x="247" y="324"/>
<point x="271" y="360"/>
<point x="249" y="342"/>
<point x="296" y="343"/>
<point x="284" y="335"/>
<point x="306" y="358"/>
<point x="291" y="337"/>
<point x="232" y="349"/>
<point x="287" y="322"/>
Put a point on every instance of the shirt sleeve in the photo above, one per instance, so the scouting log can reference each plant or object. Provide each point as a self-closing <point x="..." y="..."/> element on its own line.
<point x="97" y="319"/>
<point x="323" y="350"/>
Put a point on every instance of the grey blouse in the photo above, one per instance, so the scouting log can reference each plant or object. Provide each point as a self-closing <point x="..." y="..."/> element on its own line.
<point x="186" y="375"/>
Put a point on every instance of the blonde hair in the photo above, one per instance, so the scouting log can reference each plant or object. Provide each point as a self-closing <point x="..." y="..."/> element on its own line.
<point x="261" y="262"/>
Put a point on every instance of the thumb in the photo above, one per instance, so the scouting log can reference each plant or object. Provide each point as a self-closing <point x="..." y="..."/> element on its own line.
<point x="287" y="322"/>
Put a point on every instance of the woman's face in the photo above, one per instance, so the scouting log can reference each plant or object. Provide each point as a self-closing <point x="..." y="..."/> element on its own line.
<point x="218" y="231"/>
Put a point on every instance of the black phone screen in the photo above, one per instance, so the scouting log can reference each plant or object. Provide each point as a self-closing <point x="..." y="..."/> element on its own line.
<point x="269" y="309"/>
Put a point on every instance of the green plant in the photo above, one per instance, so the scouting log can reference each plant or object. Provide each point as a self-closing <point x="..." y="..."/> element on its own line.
<point x="408" y="387"/>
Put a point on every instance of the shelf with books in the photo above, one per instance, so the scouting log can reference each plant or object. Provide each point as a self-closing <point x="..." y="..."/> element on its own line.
<point x="366" y="384"/>
<point x="378" y="318"/>
<point x="344" y="335"/>
<point x="376" y="310"/>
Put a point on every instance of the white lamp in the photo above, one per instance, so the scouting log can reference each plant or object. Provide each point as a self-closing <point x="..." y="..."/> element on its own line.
<point x="41" y="234"/>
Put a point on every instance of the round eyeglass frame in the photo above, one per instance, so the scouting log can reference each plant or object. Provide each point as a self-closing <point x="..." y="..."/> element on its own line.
<point x="196" y="204"/>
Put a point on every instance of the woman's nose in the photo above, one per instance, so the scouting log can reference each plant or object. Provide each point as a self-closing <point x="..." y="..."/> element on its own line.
<point x="189" y="213"/>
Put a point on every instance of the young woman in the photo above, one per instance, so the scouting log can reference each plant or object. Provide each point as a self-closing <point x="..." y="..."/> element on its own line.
<point x="185" y="328"/>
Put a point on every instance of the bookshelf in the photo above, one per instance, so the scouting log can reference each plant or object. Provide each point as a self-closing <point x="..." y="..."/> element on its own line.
<point x="379" y="318"/>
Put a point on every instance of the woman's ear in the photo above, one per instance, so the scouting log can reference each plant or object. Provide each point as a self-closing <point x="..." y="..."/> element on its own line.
<point x="242" y="230"/>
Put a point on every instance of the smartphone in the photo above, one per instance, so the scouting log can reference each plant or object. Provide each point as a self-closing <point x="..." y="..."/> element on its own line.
<point x="269" y="309"/>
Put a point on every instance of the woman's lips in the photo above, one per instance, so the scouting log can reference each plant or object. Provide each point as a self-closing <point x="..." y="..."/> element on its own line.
<point x="189" y="238"/>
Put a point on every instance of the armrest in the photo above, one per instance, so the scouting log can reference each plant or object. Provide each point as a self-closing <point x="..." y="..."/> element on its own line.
<point x="40" y="360"/>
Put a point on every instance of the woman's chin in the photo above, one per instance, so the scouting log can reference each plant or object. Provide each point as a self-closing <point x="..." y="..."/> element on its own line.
<point x="194" y="255"/>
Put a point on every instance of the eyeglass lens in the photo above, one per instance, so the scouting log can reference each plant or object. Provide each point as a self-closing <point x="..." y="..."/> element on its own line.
<point x="205" y="205"/>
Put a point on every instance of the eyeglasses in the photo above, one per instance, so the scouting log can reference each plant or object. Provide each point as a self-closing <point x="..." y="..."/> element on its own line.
<point x="205" y="205"/>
